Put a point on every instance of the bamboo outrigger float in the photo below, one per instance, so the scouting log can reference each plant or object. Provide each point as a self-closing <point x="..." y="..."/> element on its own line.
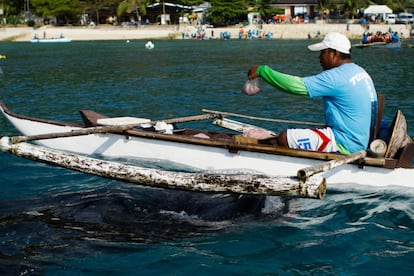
<point x="203" y="182"/>
<point x="213" y="161"/>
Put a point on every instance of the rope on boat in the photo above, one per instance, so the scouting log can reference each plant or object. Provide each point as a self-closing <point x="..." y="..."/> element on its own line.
<point x="262" y="119"/>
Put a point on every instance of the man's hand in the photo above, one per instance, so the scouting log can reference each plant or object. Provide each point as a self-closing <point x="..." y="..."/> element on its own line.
<point x="251" y="74"/>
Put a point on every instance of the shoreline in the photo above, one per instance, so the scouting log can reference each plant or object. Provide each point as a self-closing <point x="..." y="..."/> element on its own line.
<point x="108" y="32"/>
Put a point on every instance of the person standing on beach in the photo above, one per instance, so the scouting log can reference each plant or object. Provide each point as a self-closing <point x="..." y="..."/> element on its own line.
<point x="348" y="93"/>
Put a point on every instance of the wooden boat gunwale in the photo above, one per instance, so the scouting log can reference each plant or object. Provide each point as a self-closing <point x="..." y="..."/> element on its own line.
<point x="21" y="116"/>
<point x="229" y="144"/>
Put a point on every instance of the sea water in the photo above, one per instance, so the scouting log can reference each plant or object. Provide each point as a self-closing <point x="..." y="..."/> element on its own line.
<point x="58" y="222"/>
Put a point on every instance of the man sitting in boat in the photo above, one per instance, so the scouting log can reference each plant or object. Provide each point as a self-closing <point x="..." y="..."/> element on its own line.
<point x="366" y="37"/>
<point x="348" y="93"/>
<point x="378" y="37"/>
<point x="395" y="37"/>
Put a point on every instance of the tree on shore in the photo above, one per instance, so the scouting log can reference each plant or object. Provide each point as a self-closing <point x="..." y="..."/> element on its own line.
<point x="128" y="6"/>
<point x="12" y="7"/>
<point x="263" y="7"/>
<point x="226" y="10"/>
<point x="96" y="6"/>
<point x="65" y="11"/>
<point x="322" y="7"/>
<point x="351" y="7"/>
<point x="401" y="5"/>
<point x="190" y="2"/>
<point x="223" y="11"/>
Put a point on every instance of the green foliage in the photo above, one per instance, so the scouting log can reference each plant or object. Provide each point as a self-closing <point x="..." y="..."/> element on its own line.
<point x="351" y="7"/>
<point x="30" y="23"/>
<point x="262" y="7"/>
<point x="98" y="4"/>
<point x="132" y="5"/>
<point x="189" y="2"/>
<point x="223" y="10"/>
<point x="55" y="7"/>
<point x="401" y="5"/>
<point x="14" y="19"/>
<point x="12" y="7"/>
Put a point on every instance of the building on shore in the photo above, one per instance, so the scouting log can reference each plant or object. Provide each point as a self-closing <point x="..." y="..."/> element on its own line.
<point x="297" y="9"/>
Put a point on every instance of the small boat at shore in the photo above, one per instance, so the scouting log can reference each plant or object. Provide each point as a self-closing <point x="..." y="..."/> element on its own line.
<point x="389" y="40"/>
<point x="51" y="40"/>
<point x="219" y="153"/>
<point x="381" y="45"/>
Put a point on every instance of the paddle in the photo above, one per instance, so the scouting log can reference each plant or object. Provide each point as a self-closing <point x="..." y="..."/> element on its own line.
<point x="262" y="119"/>
<point x="106" y="129"/>
<point x="307" y="172"/>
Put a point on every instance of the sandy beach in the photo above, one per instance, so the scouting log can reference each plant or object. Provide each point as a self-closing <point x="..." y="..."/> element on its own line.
<point x="108" y="32"/>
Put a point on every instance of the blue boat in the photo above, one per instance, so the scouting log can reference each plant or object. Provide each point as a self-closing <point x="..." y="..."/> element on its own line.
<point x="388" y="45"/>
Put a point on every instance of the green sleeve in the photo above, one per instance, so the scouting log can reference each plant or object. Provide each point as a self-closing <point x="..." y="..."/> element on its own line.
<point x="288" y="83"/>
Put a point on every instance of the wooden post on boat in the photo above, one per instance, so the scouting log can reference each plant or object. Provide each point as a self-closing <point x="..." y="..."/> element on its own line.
<point x="314" y="187"/>
<point x="305" y="173"/>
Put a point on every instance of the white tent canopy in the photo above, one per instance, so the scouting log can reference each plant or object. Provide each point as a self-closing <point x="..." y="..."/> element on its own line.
<point x="377" y="9"/>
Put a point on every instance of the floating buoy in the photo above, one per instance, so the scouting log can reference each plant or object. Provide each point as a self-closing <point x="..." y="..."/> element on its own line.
<point x="127" y="41"/>
<point x="149" y="45"/>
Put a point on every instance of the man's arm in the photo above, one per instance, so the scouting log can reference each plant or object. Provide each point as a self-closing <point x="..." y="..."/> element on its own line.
<point x="287" y="83"/>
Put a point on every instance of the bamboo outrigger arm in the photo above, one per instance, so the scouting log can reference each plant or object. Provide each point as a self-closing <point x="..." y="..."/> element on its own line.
<point x="307" y="172"/>
<point x="314" y="187"/>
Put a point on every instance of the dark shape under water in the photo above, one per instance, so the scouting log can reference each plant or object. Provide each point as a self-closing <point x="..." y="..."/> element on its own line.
<point x="130" y="214"/>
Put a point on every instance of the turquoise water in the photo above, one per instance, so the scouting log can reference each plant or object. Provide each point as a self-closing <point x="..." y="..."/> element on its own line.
<point x="54" y="221"/>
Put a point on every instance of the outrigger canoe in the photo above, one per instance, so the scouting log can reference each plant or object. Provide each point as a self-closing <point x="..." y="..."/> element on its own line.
<point x="219" y="153"/>
<point x="51" y="40"/>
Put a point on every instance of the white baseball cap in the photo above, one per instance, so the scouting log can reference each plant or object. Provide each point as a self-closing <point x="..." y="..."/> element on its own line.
<point x="334" y="41"/>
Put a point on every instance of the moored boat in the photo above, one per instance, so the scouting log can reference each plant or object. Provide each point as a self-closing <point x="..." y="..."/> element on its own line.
<point x="51" y="40"/>
<point x="387" y="45"/>
<point x="218" y="152"/>
<point x="390" y="40"/>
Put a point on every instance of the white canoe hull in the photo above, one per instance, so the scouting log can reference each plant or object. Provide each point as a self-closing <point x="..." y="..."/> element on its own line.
<point x="198" y="157"/>
<point x="52" y="40"/>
